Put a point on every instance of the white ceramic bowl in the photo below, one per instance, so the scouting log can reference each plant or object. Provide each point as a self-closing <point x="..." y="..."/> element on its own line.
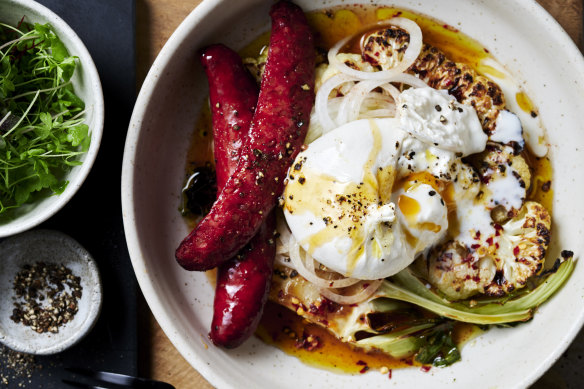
<point x="87" y="86"/>
<point x="50" y="247"/>
<point x="532" y="46"/>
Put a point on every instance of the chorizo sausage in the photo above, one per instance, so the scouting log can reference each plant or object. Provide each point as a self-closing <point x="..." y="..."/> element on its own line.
<point x="233" y="94"/>
<point x="243" y="282"/>
<point x="277" y="132"/>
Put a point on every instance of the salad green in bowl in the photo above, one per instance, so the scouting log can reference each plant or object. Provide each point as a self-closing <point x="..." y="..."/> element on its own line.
<point x="51" y="114"/>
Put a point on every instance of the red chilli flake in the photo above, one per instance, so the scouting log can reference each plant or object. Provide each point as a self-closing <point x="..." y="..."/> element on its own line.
<point x="308" y="342"/>
<point x="449" y="28"/>
<point x="364" y="364"/>
<point x="389" y="374"/>
<point x="490" y="240"/>
<point x="516" y="250"/>
<point x="425" y="369"/>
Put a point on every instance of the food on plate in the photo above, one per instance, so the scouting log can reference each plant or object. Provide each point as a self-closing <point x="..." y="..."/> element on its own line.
<point x="419" y="207"/>
<point x="41" y="118"/>
<point x="244" y="281"/>
<point x="233" y="95"/>
<point x="436" y="70"/>
<point x="277" y="131"/>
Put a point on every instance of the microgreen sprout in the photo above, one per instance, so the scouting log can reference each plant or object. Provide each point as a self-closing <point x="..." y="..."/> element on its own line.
<point x="42" y="130"/>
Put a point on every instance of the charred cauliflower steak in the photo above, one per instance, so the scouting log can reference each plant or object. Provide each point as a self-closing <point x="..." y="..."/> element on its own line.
<point x="515" y="253"/>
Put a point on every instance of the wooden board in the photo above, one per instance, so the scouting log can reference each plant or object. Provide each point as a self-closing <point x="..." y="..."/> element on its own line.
<point x="156" y="20"/>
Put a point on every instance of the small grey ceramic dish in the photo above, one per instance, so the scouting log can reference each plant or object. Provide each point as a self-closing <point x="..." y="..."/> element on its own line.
<point x="50" y="247"/>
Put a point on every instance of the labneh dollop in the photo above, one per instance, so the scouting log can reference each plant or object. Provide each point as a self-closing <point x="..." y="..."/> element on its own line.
<point x="355" y="200"/>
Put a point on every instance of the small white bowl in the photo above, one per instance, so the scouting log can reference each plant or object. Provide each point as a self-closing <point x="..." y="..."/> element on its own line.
<point x="50" y="247"/>
<point x="87" y="86"/>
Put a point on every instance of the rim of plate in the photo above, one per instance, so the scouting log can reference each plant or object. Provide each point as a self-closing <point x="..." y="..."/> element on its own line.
<point x="531" y="7"/>
<point x="132" y="238"/>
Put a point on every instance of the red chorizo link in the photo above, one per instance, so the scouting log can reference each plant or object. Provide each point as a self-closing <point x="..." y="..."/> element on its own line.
<point x="278" y="130"/>
<point x="242" y="288"/>
<point x="243" y="282"/>
<point x="233" y="94"/>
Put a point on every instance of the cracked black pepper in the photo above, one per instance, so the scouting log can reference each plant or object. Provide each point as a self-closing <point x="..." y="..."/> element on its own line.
<point x="46" y="296"/>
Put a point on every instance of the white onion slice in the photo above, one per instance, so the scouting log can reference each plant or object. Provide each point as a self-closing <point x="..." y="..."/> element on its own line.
<point x="355" y="298"/>
<point x="392" y="90"/>
<point x="409" y="79"/>
<point x="300" y="266"/>
<point x="322" y="100"/>
<point x="351" y="106"/>
<point x="410" y="55"/>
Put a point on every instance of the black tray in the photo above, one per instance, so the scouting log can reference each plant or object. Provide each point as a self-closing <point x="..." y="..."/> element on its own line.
<point x="94" y="217"/>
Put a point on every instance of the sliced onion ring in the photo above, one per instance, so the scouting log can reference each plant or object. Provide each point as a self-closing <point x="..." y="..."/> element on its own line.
<point x="351" y="104"/>
<point x="322" y="99"/>
<point x="355" y="298"/>
<point x="409" y="79"/>
<point x="301" y="268"/>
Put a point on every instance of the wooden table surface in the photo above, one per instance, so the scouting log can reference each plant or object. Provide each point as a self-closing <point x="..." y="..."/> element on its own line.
<point x="156" y="21"/>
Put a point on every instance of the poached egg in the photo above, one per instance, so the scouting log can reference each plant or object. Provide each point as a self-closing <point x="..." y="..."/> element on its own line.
<point x="356" y="199"/>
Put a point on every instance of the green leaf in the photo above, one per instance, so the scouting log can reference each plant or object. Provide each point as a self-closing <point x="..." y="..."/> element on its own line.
<point x="42" y="31"/>
<point x="73" y="100"/>
<point x="44" y="130"/>
<point x="59" y="187"/>
<point x="58" y="49"/>
<point x="22" y="193"/>
<point x="438" y="348"/>
<point x="6" y="87"/>
<point x="67" y="67"/>
<point x="35" y="152"/>
<point x="75" y="135"/>
<point x="86" y="143"/>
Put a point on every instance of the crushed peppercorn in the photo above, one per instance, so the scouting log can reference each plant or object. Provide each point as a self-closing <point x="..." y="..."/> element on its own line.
<point x="47" y="296"/>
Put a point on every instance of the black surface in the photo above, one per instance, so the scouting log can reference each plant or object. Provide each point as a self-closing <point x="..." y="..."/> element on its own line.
<point x="93" y="217"/>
